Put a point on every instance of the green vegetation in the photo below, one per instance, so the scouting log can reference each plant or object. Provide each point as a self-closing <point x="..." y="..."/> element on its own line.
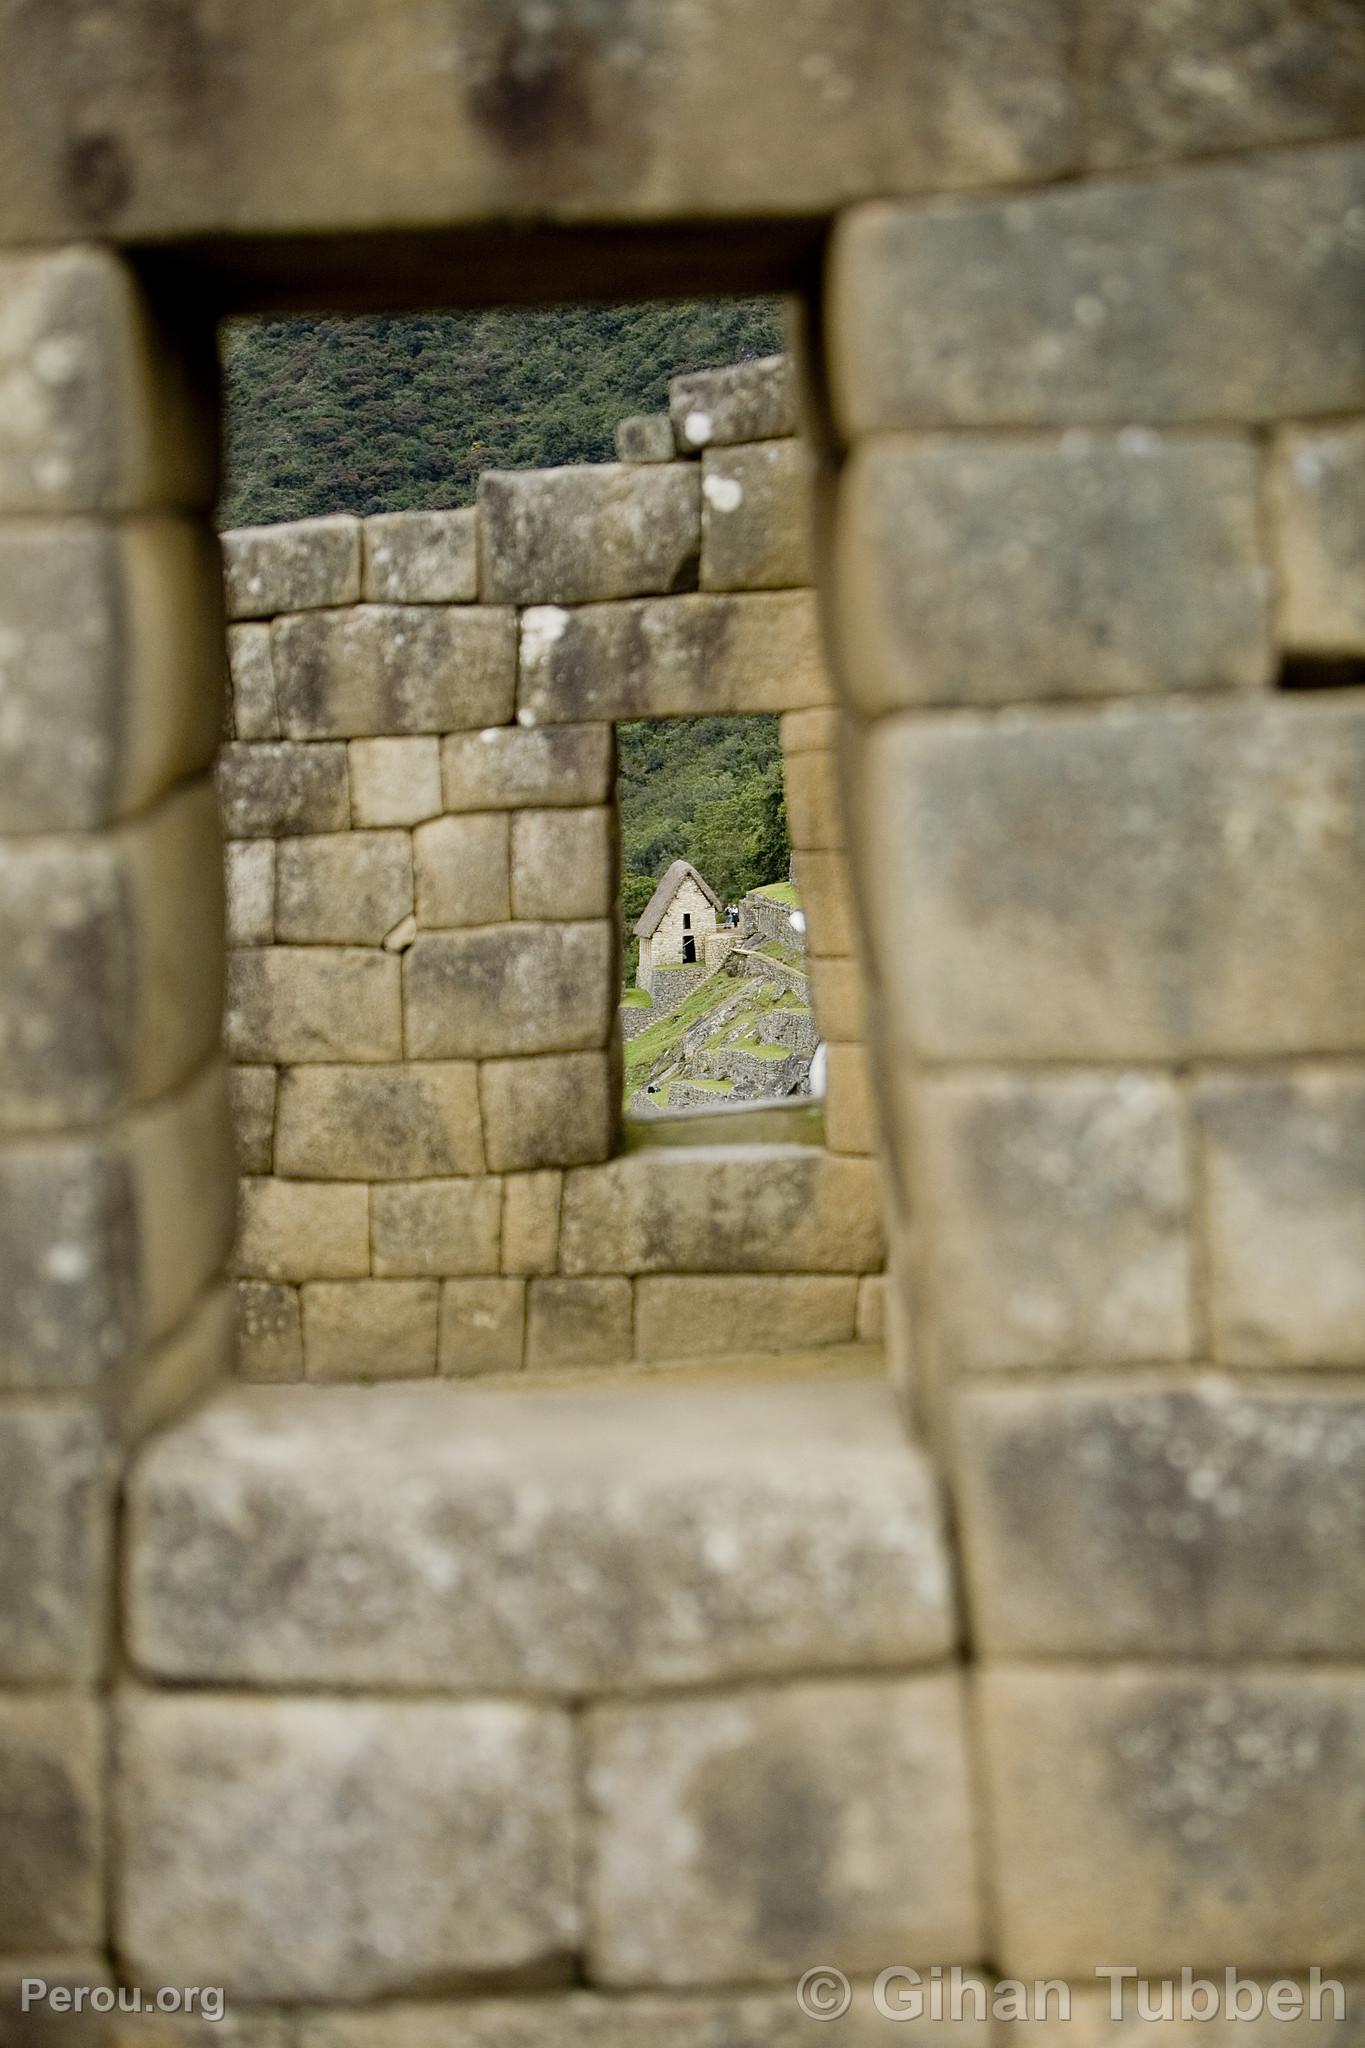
<point x="654" y="1044"/>
<point x="636" y="999"/>
<point x="780" y="892"/>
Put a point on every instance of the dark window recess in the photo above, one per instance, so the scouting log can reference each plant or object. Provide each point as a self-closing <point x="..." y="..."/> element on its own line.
<point x="1322" y="672"/>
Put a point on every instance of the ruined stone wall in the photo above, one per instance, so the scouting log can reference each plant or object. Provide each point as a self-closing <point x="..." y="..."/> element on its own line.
<point x="422" y="875"/>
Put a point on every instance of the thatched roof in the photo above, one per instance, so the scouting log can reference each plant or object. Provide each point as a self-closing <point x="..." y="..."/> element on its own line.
<point x="653" y="914"/>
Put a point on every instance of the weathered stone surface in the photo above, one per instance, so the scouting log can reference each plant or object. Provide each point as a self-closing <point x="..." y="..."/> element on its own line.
<point x="560" y="1110"/>
<point x="815" y="811"/>
<point x="1207" y="1521"/>
<point x="269" y="1331"/>
<point x="199" y="1355"/>
<point x="1317" y="495"/>
<point x="274" y="791"/>
<point x="290" y="1003"/>
<point x="722" y="1209"/>
<point x="347" y="888"/>
<point x="827" y="899"/>
<point x="393" y="669"/>
<point x="395" y="781"/>
<point x="645" y="437"/>
<point x="571" y="536"/>
<point x="754" y="401"/>
<point x="757" y="517"/>
<point x="1146" y="882"/>
<point x="334" y="1849"/>
<point x="182" y="1167"/>
<point x="249" y="874"/>
<point x="511" y="769"/>
<point x="51" y="1878"/>
<point x="301" y="1230"/>
<point x="112" y="666"/>
<point x="1176" y="79"/>
<point x="815" y="730"/>
<point x="565" y="863"/>
<point x="578" y="1323"/>
<point x="839" y="998"/>
<point x="69" y="1308"/>
<point x="369" y="1329"/>
<point x="252" y="684"/>
<point x="241" y="2029"/>
<point x="1153" y="1815"/>
<point x="40" y="2025"/>
<point x="342" y="1535"/>
<point x="707" y="654"/>
<point x="1284" y="1193"/>
<point x="379" y="1122"/>
<point x="851" y="1120"/>
<point x="831" y="1819"/>
<point x="1222" y="291"/>
<point x="1058" y="1212"/>
<point x="530" y="1222"/>
<point x="96" y="412"/>
<point x="299" y="565"/>
<point x="872" y="1315"/>
<point x="519" y="988"/>
<point x="696" y="1315"/>
<point x="437" y="1226"/>
<point x="980" y="571"/>
<point x="55" y="1506"/>
<point x="113" y="950"/>
<point x="253" y="1117"/>
<point x="483" y="1326"/>
<point x="463" y="870"/>
<point x="421" y="558"/>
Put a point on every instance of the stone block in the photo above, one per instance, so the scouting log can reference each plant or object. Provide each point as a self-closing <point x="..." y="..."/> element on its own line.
<point x="343" y="1849"/>
<point x="299" y="565"/>
<point x="1317" y="498"/>
<point x="436" y="1226"/>
<point x="56" y="1486"/>
<point x="269" y="1331"/>
<point x="1283" y="1174"/>
<point x="560" y="1110"/>
<point x="395" y="781"/>
<point x="253" y="1117"/>
<point x="827" y="899"/>
<point x="97" y="412"/>
<point x="182" y="1169"/>
<point x="1058" y="1209"/>
<point x="254" y="715"/>
<point x="421" y="558"/>
<point x="722" y="1209"/>
<point x="483" y="1327"/>
<point x="872" y="1317"/>
<point x="565" y="864"/>
<point x="709" y="654"/>
<point x="403" y="1122"/>
<point x="840" y="1000"/>
<point x="197" y="1357"/>
<point x="815" y="810"/>
<point x="813" y="731"/>
<point x="113" y="949"/>
<point x="1152" y="1815"/>
<point x="584" y="1323"/>
<point x="393" y="669"/>
<point x="51" y="1794"/>
<point x="113" y="666"/>
<point x="302" y="1230"/>
<point x="306" y="1537"/>
<point x="757" y="521"/>
<point x="298" y="1003"/>
<point x="645" y="437"/>
<point x="1208" y="1521"/>
<point x="851" y="1119"/>
<point x="369" y="1329"/>
<point x="530" y="1222"/>
<point x="39" y="2025"/>
<point x="513" y="769"/>
<point x="249" y="875"/>
<point x="342" y="888"/>
<point x="521" y="988"/>
<point x="753" y="401"/>
<point x="831" y="1819"/>
<point x="1153" y="881"/>
<point x="576" y="535"/>
<point x="462" y="869"/>
<point x="1178" y="80"/>
<point x="699" y="1315"/>
<point x="977" y="570"/>
<point x="274" y="791"/>
<point x="1226" y="291"/>
<point x="70" y="1306"/>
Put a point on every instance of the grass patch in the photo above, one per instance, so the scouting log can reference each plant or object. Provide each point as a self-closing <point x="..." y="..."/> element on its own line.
<point x="649" y="1046"/>
<point x="775" y="950"/>
<point x="779" y="892"/>
<point x="637" y="999"/>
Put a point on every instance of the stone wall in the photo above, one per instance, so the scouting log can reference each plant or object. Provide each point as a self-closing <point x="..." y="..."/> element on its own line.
<point x="422" y="873"/>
